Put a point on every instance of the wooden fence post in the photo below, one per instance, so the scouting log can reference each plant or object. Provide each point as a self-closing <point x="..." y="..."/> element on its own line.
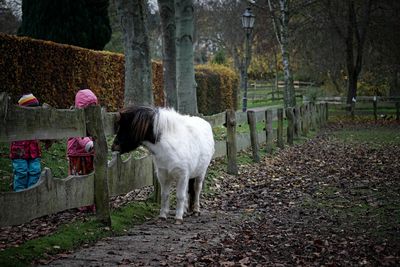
<point x="375" y="105"/>
<point x="268" y="131"/>
<point x="305" y="119"/>
<point x="352" y="108"/>
<point x="251" y="119"/>
<point x="319" y="109"/>
<point x="327" y="112"/>
<point x="323" y="108"/>
<point x="290" y="127"/>
<point x="297" y="122"/>
<point x="94" y="126"/>
<point x="231" y="149"/>
<point x="321" y="114"/>
<point x="301" y="114"/>
<point x="311" y="112"/>
<point x="280" y="128"/>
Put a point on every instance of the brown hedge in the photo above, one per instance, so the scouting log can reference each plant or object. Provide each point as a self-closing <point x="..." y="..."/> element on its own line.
<point x="216" y="88"/>
<point x="55" y="72"/>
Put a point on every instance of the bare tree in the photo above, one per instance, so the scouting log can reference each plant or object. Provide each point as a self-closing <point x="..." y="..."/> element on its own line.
<point x="281" y="17"/>
<point x="351" y="22"/>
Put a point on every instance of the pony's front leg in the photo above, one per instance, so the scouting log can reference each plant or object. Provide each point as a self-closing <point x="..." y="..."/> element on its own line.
<point x="181" y="198"/>
<point x="165" y="184"/>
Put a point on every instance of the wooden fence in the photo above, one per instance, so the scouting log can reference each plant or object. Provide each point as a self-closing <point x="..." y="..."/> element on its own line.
<point x="266" y="90"/>
<point x="51" y="195"/>
<point x="365" y="105"/>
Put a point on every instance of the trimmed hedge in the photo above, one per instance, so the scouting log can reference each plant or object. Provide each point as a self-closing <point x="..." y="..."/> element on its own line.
<point x="217" y="88"/>
<point x="55" y="72"/>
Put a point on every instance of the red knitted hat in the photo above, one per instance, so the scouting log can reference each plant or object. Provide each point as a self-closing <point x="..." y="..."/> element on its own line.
<point x="28" y="100"/>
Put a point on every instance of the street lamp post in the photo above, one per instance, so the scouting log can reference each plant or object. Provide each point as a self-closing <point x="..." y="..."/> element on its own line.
<point x="247" y="24"/>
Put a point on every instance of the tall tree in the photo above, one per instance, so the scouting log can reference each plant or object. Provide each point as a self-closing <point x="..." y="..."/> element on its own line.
<point x="186" y="85"/>
<point x="138" y="77"/>
<point x="83" y="23"/>
<point x="352" y="30"/>
<point x="281" y="17"/>
<point x="168" y="29"/>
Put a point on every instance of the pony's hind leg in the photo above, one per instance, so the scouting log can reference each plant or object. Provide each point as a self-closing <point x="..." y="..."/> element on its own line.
<point x="198" y="185"/>
<point x="191" y="195"/>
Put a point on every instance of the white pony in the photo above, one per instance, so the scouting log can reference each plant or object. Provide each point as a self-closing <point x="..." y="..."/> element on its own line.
<point x="182" y="147"/>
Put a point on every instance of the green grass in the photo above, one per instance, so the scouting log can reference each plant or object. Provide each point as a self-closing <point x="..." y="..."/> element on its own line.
<point x="266" y="102"/>
<point x="377" y="136"/>
<point x="73" y="235"/>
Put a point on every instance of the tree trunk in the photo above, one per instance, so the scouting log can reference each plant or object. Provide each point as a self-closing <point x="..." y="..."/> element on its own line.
<point x="138" y="79"/>
<point x="281" y="27"/>
<point x="355" y="40"/>
<point x="168" y="27"/>
<point x="289" y="94"/>
<point x="186" y="85"/>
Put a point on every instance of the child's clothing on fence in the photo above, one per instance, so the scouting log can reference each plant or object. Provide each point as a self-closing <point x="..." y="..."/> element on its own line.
<point x="80" y="155"/>
<point x="80" y="150"/>
<point x="26" y="155"/>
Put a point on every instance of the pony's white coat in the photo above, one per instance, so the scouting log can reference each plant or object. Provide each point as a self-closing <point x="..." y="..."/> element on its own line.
<point x="183" y="151"/>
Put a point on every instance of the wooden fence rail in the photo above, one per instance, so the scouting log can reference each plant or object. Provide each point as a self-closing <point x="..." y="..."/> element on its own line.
<point x="364" y="104"/>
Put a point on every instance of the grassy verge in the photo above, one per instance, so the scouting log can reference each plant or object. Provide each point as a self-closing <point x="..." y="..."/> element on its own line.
<point x="376" y="137"/>
<point x="76" y="234"/>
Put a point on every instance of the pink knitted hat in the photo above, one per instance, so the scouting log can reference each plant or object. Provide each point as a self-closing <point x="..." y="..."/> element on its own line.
<point x="85" y="98"/>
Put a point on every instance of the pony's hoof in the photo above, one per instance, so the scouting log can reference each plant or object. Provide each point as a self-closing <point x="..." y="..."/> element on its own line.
<point x="178" y="221"/>
<point x="161" y="219"/>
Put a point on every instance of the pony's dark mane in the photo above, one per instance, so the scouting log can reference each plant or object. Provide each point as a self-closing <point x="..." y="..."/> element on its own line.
<point x="141" y="120"/>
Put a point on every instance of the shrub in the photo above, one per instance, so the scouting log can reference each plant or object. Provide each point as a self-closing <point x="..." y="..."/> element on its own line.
<point x="217" y="88"/>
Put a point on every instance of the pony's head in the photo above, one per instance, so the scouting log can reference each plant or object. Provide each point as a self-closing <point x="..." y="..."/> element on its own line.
<point x="134" y="125"/>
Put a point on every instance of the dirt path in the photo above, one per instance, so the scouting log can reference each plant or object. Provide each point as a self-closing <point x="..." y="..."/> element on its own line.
<point x="155" y="243"/>
<point x="323" y="203"/>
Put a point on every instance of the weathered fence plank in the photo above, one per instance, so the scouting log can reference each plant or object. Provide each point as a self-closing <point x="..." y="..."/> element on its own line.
<point x="297" y="129"/>
<point x="94" y="124"/>
<point x="47" y="196"/>
<point x="279" y="138"/>
<point x="22" y="123"/>
<point x="124" y="176"/>
<point x="231" y="141"/>
<point x="253" y="135"/>
<point x="268" y="131"/>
